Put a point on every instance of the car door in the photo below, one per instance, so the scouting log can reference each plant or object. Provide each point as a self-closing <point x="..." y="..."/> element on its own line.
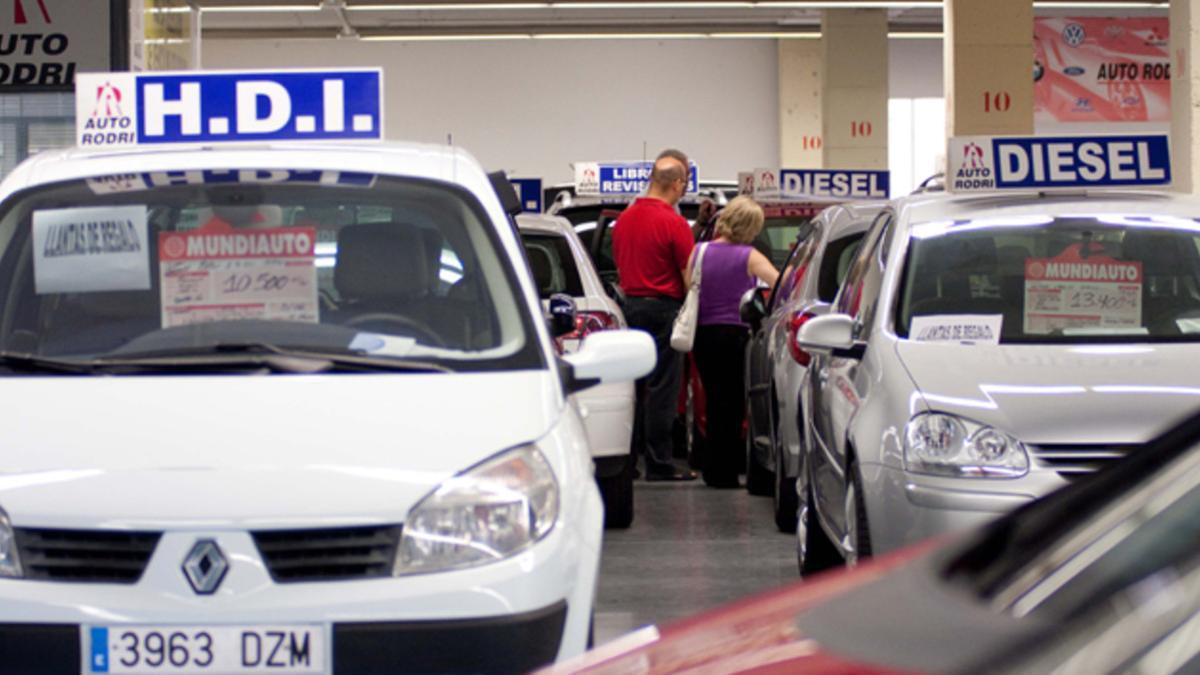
<point x="600" y="247"/>
<point x="836" y="392"/>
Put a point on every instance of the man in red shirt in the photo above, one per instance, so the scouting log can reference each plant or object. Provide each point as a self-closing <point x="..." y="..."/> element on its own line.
<point x="651" y="246"/>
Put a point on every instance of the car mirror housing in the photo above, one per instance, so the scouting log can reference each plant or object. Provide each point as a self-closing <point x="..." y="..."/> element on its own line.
<point x="610" y="356"/>
<point x="827" y="334"/>
<point x="752" y="307"/>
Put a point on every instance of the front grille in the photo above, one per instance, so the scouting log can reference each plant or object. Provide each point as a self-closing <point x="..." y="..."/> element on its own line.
<point x="328" y="554"/>
<point x="95" y="556"/>
<point x="1073" y="461"/>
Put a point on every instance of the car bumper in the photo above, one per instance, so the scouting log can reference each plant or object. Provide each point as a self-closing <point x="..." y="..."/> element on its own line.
<point x="514" y="643"/>
<point x="607" y="413"/>
<point x="511" y="616"/>
<point x="911" y="507"/>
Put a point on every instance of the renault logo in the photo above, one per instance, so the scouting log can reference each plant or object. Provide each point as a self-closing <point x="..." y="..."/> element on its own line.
<point x="205" y="567"/>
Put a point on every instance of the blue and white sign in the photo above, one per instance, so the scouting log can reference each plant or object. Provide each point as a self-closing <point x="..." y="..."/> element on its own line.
<point x="132" y="182"/>
<point x="126" y="109"/>
<point x="821" y="183"/>
<point x="988" y="163"/>
<point x="530" y="192"/>
<point x="621" y="178"/>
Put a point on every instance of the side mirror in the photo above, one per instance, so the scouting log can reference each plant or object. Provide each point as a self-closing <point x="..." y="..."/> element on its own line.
<point x="827" y="334"/>
<point x="562" y="314"/>
<point x="610" y="356"/>
<point x="753" y="306"/>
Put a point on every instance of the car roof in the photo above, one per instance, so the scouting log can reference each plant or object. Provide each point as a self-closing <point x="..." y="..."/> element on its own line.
<point x="853" y="218"/>
<point x="933" y="206"/>
<point x="543" y="223"/>
<point x="436" y="162"/>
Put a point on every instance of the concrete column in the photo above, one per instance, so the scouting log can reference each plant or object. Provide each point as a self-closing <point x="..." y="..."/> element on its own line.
<point x="1185" y="94"/>
<point x="854" y="88"/>
<point x="989" y="67"/>
<point x="800" y="103"/>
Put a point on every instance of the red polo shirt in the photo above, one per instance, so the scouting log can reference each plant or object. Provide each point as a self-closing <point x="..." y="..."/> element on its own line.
<point x="651" y="245"/>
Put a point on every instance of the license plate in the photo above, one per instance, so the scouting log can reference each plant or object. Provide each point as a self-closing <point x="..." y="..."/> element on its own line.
<point x="191" y="649"/>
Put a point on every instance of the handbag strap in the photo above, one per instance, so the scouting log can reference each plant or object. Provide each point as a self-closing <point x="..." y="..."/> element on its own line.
<point x="697" y="264"/>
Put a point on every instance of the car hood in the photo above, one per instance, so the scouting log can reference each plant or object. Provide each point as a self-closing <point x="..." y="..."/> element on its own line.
<point x="253" y="451"/>
<point x="1103" y="394"/>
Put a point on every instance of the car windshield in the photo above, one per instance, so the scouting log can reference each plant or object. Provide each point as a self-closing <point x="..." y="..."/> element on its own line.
<point x="1059" y="279"/>
<point x="552" y="264"/>
<point x="180" y="262"/>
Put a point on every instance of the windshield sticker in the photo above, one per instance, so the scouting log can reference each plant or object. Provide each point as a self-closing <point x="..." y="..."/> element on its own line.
<point x="962" y="328"/>
<point x="218" y="273"/>
<point x="90" y="249"/>
<point x="377" y="344"/>
<point x="1188" y="326"/>
<point x="132" y="182"/>
<point x="1070" y="291"/>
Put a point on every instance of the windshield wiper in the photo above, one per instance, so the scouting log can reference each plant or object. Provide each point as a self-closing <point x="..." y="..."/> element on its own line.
<point x="283" y="359"/>
<point x="24" y="361"/>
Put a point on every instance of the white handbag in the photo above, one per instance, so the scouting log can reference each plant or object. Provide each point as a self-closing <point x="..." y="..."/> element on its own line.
<point x="683" y="333"/>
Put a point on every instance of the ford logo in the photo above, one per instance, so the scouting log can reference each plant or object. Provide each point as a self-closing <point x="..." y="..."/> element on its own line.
<point x="1074" y="71"/>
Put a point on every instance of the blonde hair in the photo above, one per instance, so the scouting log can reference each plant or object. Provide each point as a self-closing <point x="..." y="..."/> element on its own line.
<point x="741" y="220"/>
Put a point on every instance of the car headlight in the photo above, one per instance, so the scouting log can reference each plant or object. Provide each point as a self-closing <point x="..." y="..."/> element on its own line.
<point x="10" y="562"/>
<point x="487" y="513"/>
<point x="950" y="445"/>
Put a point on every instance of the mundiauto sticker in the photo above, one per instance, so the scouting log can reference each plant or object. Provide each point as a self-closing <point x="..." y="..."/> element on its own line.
<point x="1069" y="291"/>
<point x="90" y="249"/>
<point x="216" y="273"/>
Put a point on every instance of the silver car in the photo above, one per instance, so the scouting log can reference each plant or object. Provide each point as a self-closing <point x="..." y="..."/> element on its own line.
<point x="777" y="366"/>
<point x="986" y="350"/>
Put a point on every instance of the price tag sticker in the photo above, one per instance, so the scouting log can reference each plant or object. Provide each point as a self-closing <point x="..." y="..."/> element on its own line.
<point x="1069" y="292"/>
<point x="222" y="274"/>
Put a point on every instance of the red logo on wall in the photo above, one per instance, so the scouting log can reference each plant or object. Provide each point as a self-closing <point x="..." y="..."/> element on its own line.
<point x="19" y="16"/>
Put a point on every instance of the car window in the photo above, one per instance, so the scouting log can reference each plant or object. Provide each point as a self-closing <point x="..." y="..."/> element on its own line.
<point x="351" y="261"/>
<point x="859" y="294"/>
<point x="835" y="264"/>
<point x="791" y="281"/>
<point x="552" y="263"/>
<point x="1060" y="279"/>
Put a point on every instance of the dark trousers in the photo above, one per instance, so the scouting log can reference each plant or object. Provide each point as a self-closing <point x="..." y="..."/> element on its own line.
<point x="658" y="392"/>
<point x="720" y="353"/>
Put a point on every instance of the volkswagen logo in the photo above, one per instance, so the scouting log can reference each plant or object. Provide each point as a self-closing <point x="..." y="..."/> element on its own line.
<point x="205" y="567"/>
<point x="1073" y="34"/>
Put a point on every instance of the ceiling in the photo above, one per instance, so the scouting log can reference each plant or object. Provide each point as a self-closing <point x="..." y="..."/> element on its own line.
<point x="503" y="19"/>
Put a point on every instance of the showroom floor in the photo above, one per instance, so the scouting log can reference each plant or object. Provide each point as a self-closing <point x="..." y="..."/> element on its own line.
<point x="690" y="548"/>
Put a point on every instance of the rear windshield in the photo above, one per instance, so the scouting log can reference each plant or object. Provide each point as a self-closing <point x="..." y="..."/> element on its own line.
<point x="156" y="261"/>
<point x="553" y="264"/>
<point x="1059" y="279"/>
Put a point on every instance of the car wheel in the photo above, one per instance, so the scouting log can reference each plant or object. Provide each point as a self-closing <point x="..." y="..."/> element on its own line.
<point x="787" y="502"/>
<point x="617" y="493"/>
<point x="759" y="481"/>
<point x="814" y="551"/>
<point x="857" y="542"/>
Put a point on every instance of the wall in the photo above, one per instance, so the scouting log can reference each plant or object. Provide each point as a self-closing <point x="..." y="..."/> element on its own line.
<point x="534" y="106"/>
<point x="915" y="69"/>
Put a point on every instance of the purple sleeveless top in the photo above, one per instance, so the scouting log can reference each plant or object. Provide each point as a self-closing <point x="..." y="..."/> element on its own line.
<point x="723" y="281"/>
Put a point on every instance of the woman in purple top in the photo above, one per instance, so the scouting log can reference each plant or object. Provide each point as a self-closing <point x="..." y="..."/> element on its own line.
<point x="729" y="267"/>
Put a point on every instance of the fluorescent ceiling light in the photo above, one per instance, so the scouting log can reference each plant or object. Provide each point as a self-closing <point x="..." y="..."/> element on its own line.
<point x="766" y="35"/>
<point x="916" y="35"/>
<point x="416" y="7"/>
<point x="446" y="38"/>
<point x="1101" y="5"/>
<point x="263" y="8"/>
<point x="683" y="4"/>
<point x="619" y="36"/>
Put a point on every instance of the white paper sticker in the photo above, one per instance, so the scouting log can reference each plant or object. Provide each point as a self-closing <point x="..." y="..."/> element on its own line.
<point x="1072" y="292"/>
<point x="90" y="249"/>
<point x="222" y="274"/>
<point x="966" y="328"/>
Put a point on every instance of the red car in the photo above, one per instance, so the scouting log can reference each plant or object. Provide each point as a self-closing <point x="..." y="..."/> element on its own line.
<point x="1100" y="577"/>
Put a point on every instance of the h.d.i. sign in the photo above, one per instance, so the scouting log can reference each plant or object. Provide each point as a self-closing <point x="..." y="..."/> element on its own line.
<point x="124" y="109"/>
<point x="987" y="163"/>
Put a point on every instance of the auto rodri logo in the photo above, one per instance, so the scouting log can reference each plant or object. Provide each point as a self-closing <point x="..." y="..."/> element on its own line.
<point x="973" y="171"/>
<point x="20" y="18"/>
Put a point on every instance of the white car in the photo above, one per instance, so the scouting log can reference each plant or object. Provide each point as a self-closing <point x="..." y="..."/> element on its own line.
<point x="287" y="407"/>
<point x="985" y="350"/>
<point x="560" y="265"/>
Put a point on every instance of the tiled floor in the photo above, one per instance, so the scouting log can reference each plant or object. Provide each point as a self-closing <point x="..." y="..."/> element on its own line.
<point x="690" y="548"/>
